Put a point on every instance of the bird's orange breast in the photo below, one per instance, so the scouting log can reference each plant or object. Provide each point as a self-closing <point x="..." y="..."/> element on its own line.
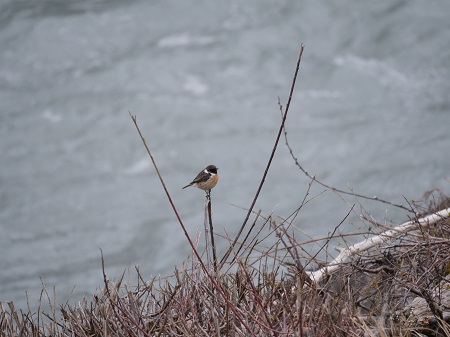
<point x="210" y="183"/>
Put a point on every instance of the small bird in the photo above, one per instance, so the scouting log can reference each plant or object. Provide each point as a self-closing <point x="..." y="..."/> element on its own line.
<point x="206" y="179"/>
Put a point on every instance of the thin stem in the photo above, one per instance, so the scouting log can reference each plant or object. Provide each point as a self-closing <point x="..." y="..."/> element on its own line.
<point x="227" y="254"/>
<point x="211" y="231"/>
<point x="328" y="186"/>
<point x="205" y="224"/>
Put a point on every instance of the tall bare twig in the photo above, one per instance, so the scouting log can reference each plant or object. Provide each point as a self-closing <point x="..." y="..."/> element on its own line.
<point x="227" y="254"/>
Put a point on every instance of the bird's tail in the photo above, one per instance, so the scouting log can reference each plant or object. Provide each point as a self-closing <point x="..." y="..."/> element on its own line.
<point x="186" y="186"/>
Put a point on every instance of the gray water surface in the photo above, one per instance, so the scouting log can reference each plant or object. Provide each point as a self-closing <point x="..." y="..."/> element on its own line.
<point x="371" y="112"/>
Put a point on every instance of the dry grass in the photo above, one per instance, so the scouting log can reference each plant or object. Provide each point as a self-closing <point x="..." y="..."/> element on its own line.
<point x="266" y="293"/>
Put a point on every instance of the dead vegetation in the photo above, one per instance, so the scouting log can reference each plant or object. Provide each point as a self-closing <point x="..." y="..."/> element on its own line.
<point x="399" y="289"/>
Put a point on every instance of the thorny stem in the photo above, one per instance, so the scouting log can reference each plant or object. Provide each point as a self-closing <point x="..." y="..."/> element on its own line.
<point x="331" y="187"/>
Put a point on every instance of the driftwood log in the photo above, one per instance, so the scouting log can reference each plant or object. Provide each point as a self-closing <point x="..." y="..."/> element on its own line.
<point x="346" y="254"/>
<point x="396" y="282"/>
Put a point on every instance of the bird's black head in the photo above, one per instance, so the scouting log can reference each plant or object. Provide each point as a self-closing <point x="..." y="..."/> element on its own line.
<point x="211" y="169"/>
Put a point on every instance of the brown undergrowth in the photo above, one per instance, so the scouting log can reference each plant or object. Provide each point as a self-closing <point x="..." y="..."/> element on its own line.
<point x="266" y="293"/>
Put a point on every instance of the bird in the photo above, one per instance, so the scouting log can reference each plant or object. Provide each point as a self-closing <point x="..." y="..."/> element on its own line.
<point x="206" y="179"/>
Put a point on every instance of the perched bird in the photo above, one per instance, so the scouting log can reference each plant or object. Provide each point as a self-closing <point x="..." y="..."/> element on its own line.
<point x="206" y="179"/>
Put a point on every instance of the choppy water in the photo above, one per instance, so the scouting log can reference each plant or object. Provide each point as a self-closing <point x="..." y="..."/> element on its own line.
<point x="371" y="111"/>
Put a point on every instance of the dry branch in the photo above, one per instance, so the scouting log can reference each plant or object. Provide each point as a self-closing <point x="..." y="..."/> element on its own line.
<point x="377" y="240"/>
<point x="283" y="121"/>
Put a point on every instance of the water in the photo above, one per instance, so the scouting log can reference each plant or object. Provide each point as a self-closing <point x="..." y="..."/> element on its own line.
<point x="370" y="112"/>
